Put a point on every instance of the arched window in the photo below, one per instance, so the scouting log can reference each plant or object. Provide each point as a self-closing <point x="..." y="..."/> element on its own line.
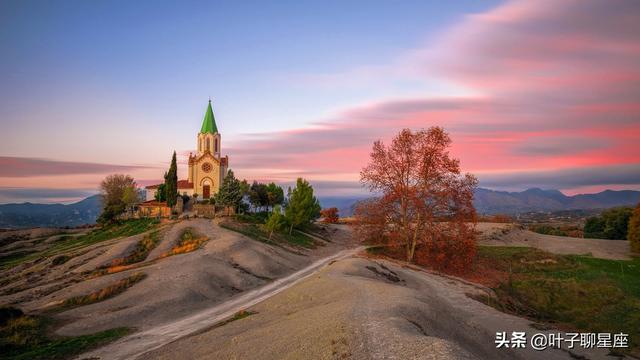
<point x="216" y="144"/>
<point x="208" y="145"/>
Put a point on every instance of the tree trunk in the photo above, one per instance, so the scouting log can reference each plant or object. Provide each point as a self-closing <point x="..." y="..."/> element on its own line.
<point x="290" y="229"/>
<point x="414" y="241"/>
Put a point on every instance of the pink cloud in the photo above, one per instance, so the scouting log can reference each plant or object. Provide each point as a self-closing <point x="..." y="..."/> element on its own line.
<point x="557" y="84"/>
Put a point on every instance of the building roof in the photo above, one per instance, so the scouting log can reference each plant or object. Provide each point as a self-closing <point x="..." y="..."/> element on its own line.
<point x="185" y="184"/>
<point x="182" y="184"/>
<point x="153" y="203"/>
<point x="209" y="122"/>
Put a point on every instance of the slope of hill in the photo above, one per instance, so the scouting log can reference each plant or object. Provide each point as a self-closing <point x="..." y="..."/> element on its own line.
<point x="50" y="215"/>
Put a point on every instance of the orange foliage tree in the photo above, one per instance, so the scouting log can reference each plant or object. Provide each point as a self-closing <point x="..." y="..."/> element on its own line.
<point x="425" y="210"/>
<point x="329" y="215"/>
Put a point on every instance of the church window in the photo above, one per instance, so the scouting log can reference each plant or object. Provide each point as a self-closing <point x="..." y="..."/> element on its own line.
<point x="208" y="145"/>
<point x="216" y="145"/>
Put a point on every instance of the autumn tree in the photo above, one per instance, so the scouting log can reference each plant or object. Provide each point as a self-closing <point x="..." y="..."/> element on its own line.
<point x="302" y="207"/>
<point x="633" y="232"/>
<point x="130" y="198"/>
<point x="425" y="206"/>
<point x="329" y="215"/>
<point x="171" y="182"/>
<point x="117" y="192"/>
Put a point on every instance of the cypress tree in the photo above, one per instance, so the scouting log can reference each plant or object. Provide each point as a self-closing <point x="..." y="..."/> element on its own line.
<point x="171" y="182"/>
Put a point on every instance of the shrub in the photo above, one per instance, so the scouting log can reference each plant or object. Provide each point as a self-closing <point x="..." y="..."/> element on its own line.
<point x="276" y="221"/>
<point x="103" y="294"/>
<point x="633" y="234"/>
<point x="188" y="242"/>
<point x="59" y="260"/>
<point x="330" y="215"/>
<point x="8" y="313"/>
<point x="611" y="224"/>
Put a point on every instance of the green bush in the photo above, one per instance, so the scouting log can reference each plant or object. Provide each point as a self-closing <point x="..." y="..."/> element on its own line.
<point x="59" y="260"/>
<point x="633" y="234"/>
<point x="611" y="224"/>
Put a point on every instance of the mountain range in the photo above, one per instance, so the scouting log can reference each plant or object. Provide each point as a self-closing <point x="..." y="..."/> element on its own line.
<point x="492" y="202"/>
<point x="28" y="215"/>
<point x="486" y="201"/>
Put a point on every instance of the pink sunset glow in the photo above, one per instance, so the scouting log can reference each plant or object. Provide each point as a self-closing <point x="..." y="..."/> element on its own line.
<point x="557" y="86"/>
<point x="545" y="93"/>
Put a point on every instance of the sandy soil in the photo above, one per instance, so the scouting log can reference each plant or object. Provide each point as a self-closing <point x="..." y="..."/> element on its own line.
<point x="511" y="235"/>
<point x="362" y="309"/>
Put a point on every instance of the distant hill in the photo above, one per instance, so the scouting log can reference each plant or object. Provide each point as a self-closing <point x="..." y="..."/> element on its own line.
<point x="28" y="215"/>
<point x="494" y="202"/>
<point x="486" y="201"/>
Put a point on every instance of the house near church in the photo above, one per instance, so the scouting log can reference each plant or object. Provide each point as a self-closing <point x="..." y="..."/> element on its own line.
<point x="207" y="167"/>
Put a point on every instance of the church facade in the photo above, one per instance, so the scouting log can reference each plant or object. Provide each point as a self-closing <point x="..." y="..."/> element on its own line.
<point x="207" y="166"/>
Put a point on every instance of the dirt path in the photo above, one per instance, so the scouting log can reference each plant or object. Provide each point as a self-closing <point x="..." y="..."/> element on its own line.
<point x="148" y="340"/>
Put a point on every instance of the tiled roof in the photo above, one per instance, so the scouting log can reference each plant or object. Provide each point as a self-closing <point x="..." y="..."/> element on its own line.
<point x="153" y="203"/>
<point x="182" y="184"/>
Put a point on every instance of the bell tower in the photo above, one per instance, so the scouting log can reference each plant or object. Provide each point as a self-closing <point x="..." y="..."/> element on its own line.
<point x="209" y="140"/>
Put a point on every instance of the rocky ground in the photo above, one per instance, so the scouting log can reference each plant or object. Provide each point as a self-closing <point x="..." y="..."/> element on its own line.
<point x="360" y="308"/>
<point x="353" y="307"/>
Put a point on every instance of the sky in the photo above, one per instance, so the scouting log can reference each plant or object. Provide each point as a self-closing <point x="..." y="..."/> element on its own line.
<point x="535" y="93"/>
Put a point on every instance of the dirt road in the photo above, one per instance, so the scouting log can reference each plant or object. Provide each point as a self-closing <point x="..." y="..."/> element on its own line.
<point x="139" y="343"/>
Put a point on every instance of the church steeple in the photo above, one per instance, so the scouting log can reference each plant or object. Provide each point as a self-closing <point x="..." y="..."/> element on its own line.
<point x="209" y="122"/>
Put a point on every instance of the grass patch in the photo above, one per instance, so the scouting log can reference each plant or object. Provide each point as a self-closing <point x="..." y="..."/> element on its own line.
<point x="25" y="337"/>
<point x="237" y="316"/>
<point x="298" y="238"/>
<point x="64" y="244"/>
<point x="257" y="231"/>
<point x="254" y="218"/>
<point x="188" y="242"/>
<point x="574" y="292"/>
<point x="110" y="291"/>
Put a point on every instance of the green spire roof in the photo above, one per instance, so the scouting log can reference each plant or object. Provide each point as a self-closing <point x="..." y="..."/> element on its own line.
<point x="209" y="122"/>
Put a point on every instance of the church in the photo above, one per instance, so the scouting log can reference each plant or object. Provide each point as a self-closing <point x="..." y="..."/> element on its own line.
<point x="207" y="167"/>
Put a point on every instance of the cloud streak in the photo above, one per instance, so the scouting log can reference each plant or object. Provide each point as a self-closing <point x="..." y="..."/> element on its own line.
<point x="556" y="86"/>
<point x="16" y="167"/>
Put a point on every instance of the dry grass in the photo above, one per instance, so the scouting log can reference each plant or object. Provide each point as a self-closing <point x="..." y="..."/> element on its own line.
<point x="112" y="290"/>
<point x="25" y="337"/>
<point x="188" y="242"/>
